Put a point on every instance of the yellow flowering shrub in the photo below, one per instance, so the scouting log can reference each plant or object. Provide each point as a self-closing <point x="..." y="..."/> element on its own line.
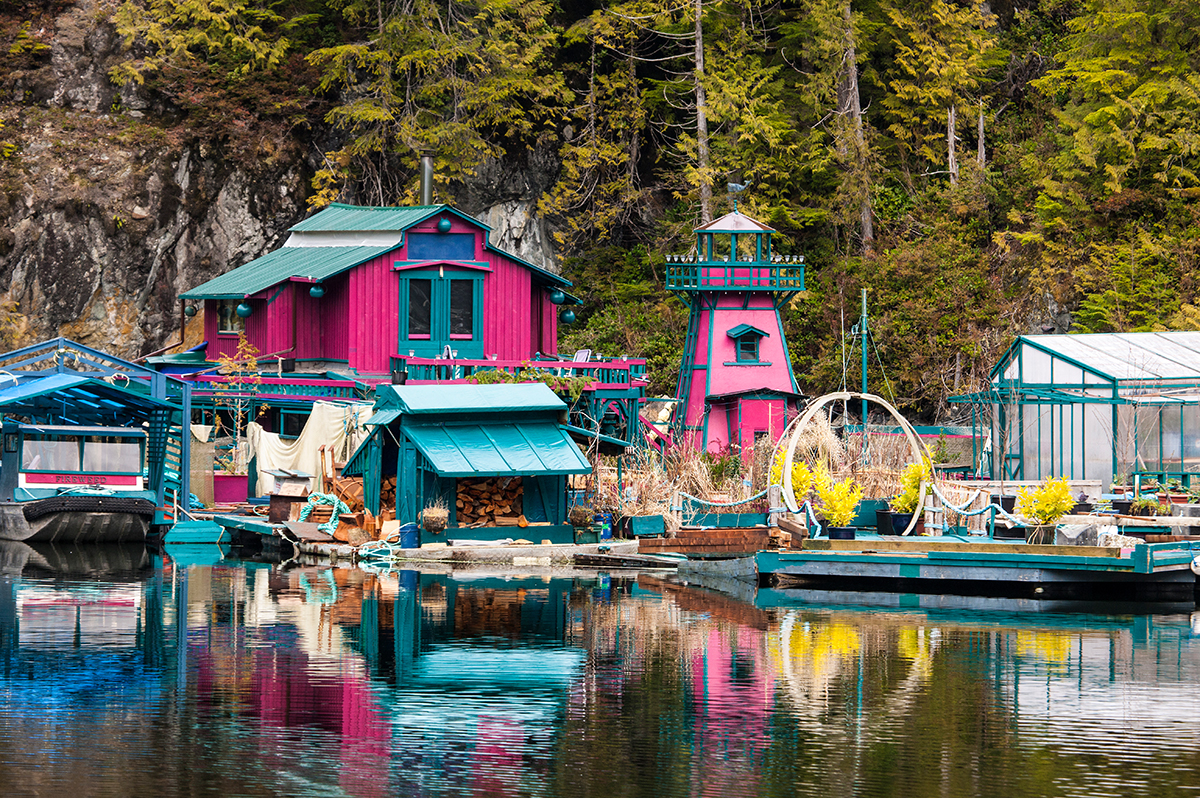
<point x="1046" y="503"/>
<point x="839" y="500"/>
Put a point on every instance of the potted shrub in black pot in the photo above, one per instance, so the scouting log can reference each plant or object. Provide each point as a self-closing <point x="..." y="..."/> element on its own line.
<point x="905" y="504"/>
<point x="839" y="505"/>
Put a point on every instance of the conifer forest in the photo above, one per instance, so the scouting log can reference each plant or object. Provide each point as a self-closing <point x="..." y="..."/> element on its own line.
<point x="983" y="169"/>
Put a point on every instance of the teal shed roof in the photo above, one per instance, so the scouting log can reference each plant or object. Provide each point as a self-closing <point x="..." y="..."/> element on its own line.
<point x="286" y="263"/>
<point x="460" y="399"/>
<point x="498" y="449"/>
<point x="339" y="217"/>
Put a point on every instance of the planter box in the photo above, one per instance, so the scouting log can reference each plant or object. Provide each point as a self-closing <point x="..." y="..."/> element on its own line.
<point x="728" y="520"/>
<point x="646" y="526"/>
<point x="230" y="488"/>
<point x="867" y="509"/>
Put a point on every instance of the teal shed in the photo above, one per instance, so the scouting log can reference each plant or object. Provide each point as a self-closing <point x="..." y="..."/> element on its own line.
<point x="442" y="442"/>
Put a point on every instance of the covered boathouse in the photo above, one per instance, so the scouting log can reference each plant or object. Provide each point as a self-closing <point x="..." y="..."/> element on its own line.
<point x="1104" y="406"/>
<point x="492" y="455"/>
<point x="61" y="397"/>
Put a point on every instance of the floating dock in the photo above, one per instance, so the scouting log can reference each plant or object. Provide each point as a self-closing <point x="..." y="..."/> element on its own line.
<point x="965" y="566"/>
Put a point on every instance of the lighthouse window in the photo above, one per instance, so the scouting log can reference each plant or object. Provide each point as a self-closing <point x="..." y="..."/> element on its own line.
<point x="747" y="348"/>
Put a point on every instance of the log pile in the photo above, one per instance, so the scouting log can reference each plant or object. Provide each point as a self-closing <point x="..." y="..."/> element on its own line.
<point x="489" y="502"/>
<point x="350" y="490"/>
<point x="387" y="495"/>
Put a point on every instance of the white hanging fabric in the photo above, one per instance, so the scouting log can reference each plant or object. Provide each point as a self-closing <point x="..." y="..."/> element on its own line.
<point x="336" y="427"/>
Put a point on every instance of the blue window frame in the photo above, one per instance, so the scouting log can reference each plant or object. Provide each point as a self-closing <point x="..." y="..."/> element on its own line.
<point x="439" y="309"/>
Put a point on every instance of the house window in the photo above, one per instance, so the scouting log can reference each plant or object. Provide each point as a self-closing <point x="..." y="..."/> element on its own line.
<point x="228" y="321"/>
<point x="441" y="309"/>
<point x="291" y="423"/>
<point x="420" y="308"/>
<point x="746" y="341"/>
<point x="462" y="309"/>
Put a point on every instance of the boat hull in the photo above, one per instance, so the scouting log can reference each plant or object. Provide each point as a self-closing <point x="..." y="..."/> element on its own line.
<point x="77" y="519"/>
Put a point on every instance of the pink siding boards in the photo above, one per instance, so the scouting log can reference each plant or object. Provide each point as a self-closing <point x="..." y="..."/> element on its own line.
<point x="372" y="316"/>
<point x="716" y="372"/>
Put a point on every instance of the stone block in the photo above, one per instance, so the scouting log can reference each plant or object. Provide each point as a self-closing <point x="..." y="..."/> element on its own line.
<point x="1077" y="535"/>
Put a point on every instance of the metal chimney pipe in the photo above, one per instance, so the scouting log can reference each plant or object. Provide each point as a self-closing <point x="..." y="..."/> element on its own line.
<point x="426" y="178"/>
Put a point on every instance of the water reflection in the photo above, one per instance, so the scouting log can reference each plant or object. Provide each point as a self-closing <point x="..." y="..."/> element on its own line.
<point x="250" y="679"/>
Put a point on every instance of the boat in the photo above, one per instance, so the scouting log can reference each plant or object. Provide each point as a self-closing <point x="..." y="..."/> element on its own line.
<point x="73" y="484"/>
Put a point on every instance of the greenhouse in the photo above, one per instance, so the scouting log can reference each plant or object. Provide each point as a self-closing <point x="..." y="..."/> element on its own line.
<point x="1109" y="406"/>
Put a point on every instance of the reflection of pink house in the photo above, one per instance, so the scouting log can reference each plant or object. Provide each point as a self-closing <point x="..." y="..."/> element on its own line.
<point x="286" y="691"/>
<point x="735" y="383"/>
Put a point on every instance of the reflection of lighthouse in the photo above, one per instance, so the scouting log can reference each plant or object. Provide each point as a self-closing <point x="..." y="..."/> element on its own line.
<point x="735" y="382"/>
<point x="732" y="694"/>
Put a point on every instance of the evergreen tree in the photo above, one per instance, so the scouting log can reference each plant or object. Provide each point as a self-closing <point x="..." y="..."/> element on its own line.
<point x="456" y="78"/>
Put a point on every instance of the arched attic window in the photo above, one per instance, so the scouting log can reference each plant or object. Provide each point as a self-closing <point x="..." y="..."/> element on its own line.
<point x="746" y="340"/>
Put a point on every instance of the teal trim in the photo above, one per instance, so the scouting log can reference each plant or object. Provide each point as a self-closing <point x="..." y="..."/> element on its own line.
<point x="275" y="295"/>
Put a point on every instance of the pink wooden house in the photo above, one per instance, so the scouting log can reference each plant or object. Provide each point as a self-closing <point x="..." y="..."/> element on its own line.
<point x="736" y="383"/>
<point x="367" y="289"/>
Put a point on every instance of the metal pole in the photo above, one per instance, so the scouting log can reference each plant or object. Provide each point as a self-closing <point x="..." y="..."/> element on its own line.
<point x="865" y="333"/>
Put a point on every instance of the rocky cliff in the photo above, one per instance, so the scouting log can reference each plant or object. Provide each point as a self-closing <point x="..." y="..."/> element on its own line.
<point x="115" y="200"/>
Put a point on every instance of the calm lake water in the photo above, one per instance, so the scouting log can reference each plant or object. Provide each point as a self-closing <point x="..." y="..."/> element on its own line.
<point x="123" y="673"/>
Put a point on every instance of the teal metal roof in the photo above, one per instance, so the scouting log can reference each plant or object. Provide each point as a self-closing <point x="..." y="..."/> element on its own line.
<point x="81" y="400"/>
<point x="339" y="217"/>
<point x="311" y="263"/>
<point x="382" y="418"/>
<point x="478" y="450"/>
<point x="459" y="399"/>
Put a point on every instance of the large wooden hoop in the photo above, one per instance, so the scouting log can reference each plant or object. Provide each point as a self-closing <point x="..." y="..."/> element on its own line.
<point x="916" y="446"/>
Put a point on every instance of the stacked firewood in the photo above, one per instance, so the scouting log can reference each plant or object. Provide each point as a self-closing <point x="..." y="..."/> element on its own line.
<point x="350" y="490"/>
<point x="489" y="502"/>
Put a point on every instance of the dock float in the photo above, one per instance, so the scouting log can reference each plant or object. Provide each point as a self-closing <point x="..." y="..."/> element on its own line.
<point x="1148" y="571"/>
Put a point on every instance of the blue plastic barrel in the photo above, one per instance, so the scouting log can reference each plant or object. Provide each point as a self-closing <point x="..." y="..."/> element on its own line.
<point x="410" y="536"/>
<point x="605" y="520"/>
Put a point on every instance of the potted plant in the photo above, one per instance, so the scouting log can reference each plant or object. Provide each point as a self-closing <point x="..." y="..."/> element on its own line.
<point x="436" y="517"/>
<point x="236" y="395"/>
<point x="1044" y="505"/>
<point x="910" y="496"/>
<point x="1149" y="507"/>
<point x="839" y="504"/>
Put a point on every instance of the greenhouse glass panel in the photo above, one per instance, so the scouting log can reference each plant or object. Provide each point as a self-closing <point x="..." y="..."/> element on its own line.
<point x="1172" y="438"/>
<point x="1191" y="439"/>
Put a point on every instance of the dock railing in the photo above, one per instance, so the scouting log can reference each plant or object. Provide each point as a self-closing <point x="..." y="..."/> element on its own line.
<point x="606" y="371"/>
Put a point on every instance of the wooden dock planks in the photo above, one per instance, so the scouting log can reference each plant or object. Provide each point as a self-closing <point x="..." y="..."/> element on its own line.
<point x="720" y="540"/>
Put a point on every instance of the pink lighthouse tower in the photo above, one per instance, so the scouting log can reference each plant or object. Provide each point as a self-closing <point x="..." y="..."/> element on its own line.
<point x="735" y="384"/>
